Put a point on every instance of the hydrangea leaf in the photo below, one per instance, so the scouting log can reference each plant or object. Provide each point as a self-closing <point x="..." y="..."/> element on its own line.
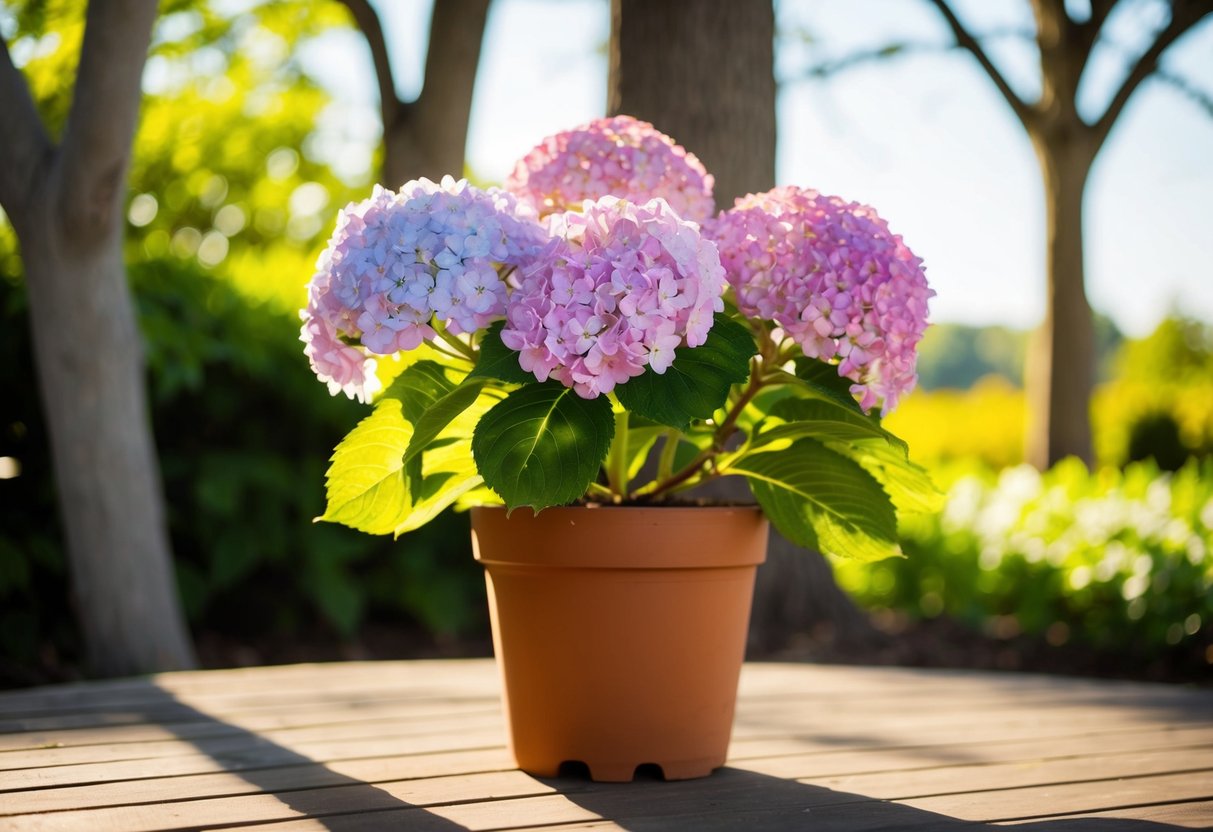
<point x="821" y="379"/>
<point x="497" y="361"/>
<point x="698" y="381"/>
<point x="366" y="485"/>
<point x="820" y="419"/>
<point x="908" y="484"/>
<point x="431" y="400"/>
<point x="447" y="472"/>
<point x="542" y="445"/>
<point x="822" y="500"/>
<point x="421" y="385"/>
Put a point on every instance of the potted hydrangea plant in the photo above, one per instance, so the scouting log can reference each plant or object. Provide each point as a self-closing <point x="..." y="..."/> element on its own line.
<point x="568" y="357"/>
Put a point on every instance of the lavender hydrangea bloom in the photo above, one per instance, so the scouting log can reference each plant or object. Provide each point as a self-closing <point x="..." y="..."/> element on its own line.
<point x="618" y="156"/>
<point x="832" y="276"/>
<point x="620" y="288"/>
<point x="400" y="263"/>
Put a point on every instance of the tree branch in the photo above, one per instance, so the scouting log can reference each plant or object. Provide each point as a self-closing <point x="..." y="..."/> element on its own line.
<point x="965" y="40"/>
<point x="101" y="123"/>
<point x="1199" y="97"/>
<point x="367" y="20"/>
<point x="1184" y="15"/>
<point x="897" y="49"/>
<point x="24" y="144"/>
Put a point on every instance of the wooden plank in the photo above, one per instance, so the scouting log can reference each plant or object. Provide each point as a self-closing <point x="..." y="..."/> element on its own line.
<point x="1195" y="815"/>
<point x="149" y="697"/>
<point x="476" y="677"/>
<point x="818" y="766"/>
<point x="1019" y="751"/>
<point x="235" y="738"/>
<point x="354" y="798"/>
<point x="314" y="775"/>
<point x="967" y="777"/>
<point x="146" y="741"/>
<point x="202" y="725"/>
<point x="911" y="734"/>
<point x="181" y="712"/>
<point x="1070" y="798"/>
<point x="368" y="745"/>
<point x="244" y="758"/>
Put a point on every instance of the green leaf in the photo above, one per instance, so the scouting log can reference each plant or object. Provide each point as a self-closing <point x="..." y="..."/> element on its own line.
<point x="908" y="484"/>
<point x="366" y="485"/>
<point x="442" y="413"/>
<point x="419" y="388"/>
<point x="447" y="471"/>
<point x="821" y="379"/>
<point x="819" y="419"/>
<point x="497" y="361"/>
<point x="822" y="500"/>
<point x="542" y="445"/>
<point x="698" y="381"/>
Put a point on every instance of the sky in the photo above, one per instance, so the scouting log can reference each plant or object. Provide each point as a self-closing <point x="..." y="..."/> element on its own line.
<point x="925" y="139"/>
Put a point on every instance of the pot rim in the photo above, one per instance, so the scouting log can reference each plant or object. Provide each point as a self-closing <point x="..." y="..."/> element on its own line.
<point x="621" y="537"/>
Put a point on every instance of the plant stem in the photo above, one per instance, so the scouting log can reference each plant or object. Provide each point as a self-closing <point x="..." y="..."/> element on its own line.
<point x="450" y="353"/>
<point x="617" y="456"/>
<point x="599" y="490"/>
<point x="463" y="348"/>
<point x="665" y="463"/>
<point x="720" y="437"/>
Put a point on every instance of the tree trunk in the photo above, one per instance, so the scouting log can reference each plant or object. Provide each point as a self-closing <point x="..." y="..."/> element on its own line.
<point x="90" y="372"/>
<point x="66" y="206"/>
<point x="703" y="73"/>
<point x="428" y="137"/>
<point x="1061" y="361"/>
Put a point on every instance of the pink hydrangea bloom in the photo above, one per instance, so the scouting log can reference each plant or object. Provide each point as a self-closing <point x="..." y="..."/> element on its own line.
<point x="618" y="156"/>
<point x="397" y="263"/>
<point x="832" y="276"/>
<point x="621" y="287"/>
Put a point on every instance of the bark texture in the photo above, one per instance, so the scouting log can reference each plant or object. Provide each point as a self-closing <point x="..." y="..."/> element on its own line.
<point x="65" y="203"/>
<point x="428" y="137"/>
<point x="1061" y="361"/>
<point x="703" y="72"/>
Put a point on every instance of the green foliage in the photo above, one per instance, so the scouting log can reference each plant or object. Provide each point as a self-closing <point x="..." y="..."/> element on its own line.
<point x="542" y="445"/>
<point x="497" y="361"/>
<point x="827" y="474"/>
<point x="1120" y="560"/>
<point x="240" y="438"/>
<point x="698" y="381"/>
<point x="1160" y="403"/>
<point x="822" y="500"/>
<point x="378" y="482"/>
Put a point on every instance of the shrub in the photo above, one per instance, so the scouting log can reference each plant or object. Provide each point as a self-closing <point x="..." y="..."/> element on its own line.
<point x="1114" y="559"/>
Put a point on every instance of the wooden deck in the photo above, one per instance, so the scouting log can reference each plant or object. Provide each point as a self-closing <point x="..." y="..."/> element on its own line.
<point x="420" y="746"/>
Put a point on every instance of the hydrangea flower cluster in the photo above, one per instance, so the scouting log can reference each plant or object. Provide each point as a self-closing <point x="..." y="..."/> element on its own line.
<point x="620" y="288"/>
<point x="618" y="156"/>
<point x="833" y="277"/>
<point x="402" y="262"/>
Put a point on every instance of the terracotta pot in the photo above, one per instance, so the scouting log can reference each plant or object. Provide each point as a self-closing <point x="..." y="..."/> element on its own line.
<point x="620" y="632"/>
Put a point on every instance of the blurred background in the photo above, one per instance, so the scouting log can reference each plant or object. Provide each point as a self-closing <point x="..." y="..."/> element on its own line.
<point x="260" y="120"/>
